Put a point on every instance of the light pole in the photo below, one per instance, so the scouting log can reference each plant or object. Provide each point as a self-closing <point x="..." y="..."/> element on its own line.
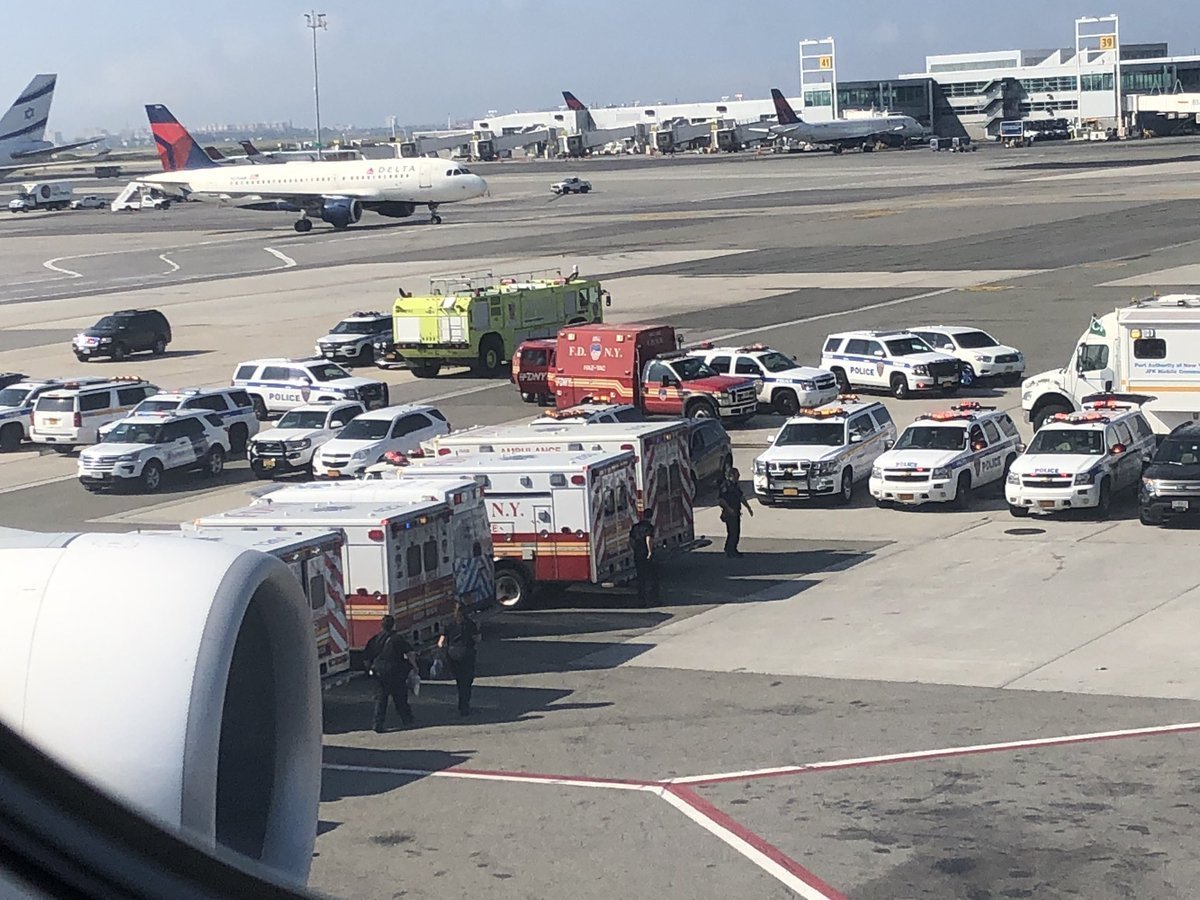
<point x="314" y="21"/>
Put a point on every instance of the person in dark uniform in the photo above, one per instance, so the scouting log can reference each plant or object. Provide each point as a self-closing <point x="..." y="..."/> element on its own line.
<point x="459" y="644"/>
<point x="731" y="499"/>
<point x="389" y="660"/>
<point x="641" y="540"/>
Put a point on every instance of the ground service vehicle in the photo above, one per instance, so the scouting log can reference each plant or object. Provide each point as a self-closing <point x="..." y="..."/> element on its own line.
<point x="470" y="534"/>
<point x="710" y="450"/>
<point x="663" y="474"/>
<point x="315" y="558"/>
<point x="478" y="320"/>
<point x="783" y="384"/>
<point x="1079" y="460"/>
<point x="1150" y="347"/>
<point x="825" y="451"/>
<point x="231" y="405"/>
<point x="943" y="456"/>
<point x="532" y="370"/>
<point x="897" y="361"/>
<point x="396" y="560"/>
<point x="639" y="364"/>
<point x="41" y="195"/>
<point x="1171" y="480"/>
<point x="981" y="355"/>
<point x="17" y="400"/>
<point x="89" y="202"/>
<point x="72" y="413"/>
<point x="352" y="340"/>
<point x="278" y="385"/>
<point x="571" y="185"/>
<point x="123" y="332"/>
<point x="556" y="518"/>
<point x="140" y="450"/>
<point x="289" y="447"/>
<point x="364" y="441"/>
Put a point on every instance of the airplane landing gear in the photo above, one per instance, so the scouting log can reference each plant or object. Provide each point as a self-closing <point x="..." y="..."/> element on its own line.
<point x="837" y="149"/>
<point x="303" y="225"/>
<point x="434" y="218"/>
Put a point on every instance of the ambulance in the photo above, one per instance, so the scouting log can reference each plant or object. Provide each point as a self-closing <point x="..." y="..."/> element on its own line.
<point x="665" y="481"/>
<point x="471" y="536"/>
<point x="555" y="517"/>
<point x="315" y="557"/>
<point x="396" y="560"/>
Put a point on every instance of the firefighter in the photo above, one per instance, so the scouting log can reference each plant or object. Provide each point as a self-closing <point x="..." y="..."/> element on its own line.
<point x="390" y="659"/>
<point x="641" y="540"/>
<point x="732" y="500"/>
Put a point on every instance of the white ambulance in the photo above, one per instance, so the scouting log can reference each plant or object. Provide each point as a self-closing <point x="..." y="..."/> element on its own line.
<point x="555" y="517"/>
<point x="396" y="560"/>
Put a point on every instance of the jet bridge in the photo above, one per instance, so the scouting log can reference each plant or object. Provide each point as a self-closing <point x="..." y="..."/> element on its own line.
<point x="434" y="143"/>
<point x="686" y="134"/>
<point x="582" y="143"/>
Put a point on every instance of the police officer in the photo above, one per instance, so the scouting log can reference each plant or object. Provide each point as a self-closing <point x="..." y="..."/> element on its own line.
<point x="731" y="499"/>
<point x="641" y="540"/>
<point x="390" y="658"/>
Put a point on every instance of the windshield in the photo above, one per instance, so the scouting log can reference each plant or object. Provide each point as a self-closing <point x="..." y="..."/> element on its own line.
<point x="691" y="367"/>
<point x="820" y="434"/>
<point x="303" y="418"/>
<point x="133" y="433"/>
<point x="774" y="361"/>
<point x="907" y="346"/>
<point x="1178" y="452"/>
<point x="973" y="340"/>
<point x="1068" y="440"/>
<point x="355" y="328"/>
<point x="108" y="323"/>
<point x="13" y="396"/>
<point x="153" y="405"/>
<point x="925" y="437"/>
<point x="366" y="430"/>
<point x="328" y="372"/>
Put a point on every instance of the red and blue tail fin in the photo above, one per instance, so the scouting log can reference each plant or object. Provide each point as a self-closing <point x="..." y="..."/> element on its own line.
<point x="783" y="110"/>
<point x="176" y="148"/>
<point x="576" y="105"/>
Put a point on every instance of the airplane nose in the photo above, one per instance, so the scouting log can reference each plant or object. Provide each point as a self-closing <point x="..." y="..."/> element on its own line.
<point x="479" y="185"/>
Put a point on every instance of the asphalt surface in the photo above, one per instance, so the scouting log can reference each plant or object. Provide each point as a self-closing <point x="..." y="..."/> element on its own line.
<point x="842" y="636"/>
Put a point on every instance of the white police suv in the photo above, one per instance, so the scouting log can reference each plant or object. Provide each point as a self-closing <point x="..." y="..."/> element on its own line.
<point x="1081" y="459"/>
<point x="783" y="383"/>
<point x="231" y="405"/>
<point x="277" y="385"/>
<point x="143" y="448"/>
<point x="897" y="361"/>
<point x="352" y="340"/>
<point x="943" y="456"/>
<point x="290" y="446"/>
<point x="16" y="406"/>
<point x="981" y="355"/>
<point x="362" y="443"/>
<point x="823" y="451"/>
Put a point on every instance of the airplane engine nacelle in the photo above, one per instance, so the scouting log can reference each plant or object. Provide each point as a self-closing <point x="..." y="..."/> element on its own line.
<point x="179" y="676"/>
<point x="394" y="209"/>
<point x="341" y="212"/>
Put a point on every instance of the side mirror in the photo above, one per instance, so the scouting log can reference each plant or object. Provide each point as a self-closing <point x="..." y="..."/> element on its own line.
<point x="607" y="299"/>
<point x="1147" y="456"/>
<point x="1079" y="357"/>
<point x="856" y="438"/>
<point x="337" y="423"/>
<point x="879" y="353"/>
<point x="889" y="444"/>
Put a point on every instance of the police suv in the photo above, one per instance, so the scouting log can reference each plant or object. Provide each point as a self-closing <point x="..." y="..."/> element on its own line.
<point x="943" y="456"/>
<point x="73" y="412"/>
<point x="782" y="382"/>
<point x="981" y="355"/>
<point x="1080" y="459"/>
<point x="825" y="450"/>
<point x="289" y="446"/>
<point x="898" y="361"/>
<point x="142" y="448"/>
<point x="231" y="405"/>
<point x="16" y="406"/>
<point x="277" y="385"/>
<point x="352" y="340"/>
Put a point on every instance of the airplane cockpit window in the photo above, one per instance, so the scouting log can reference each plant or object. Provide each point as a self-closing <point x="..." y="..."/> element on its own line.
<point x="464" y="171"/>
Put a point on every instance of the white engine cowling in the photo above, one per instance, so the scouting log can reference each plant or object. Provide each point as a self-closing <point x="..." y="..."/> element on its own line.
<point x="179" y="676"/>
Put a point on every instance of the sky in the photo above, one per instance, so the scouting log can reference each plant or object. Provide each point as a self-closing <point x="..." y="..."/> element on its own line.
<point x="219" y="61"/>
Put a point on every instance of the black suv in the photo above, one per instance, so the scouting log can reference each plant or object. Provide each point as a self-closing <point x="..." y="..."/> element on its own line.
<point x="1171" y="479"/>
<point x="125" y="331"/>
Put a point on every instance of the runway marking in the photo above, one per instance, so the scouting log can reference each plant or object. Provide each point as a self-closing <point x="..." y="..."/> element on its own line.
<point x="50" y="264"/>
<point x="616" y="784"/>
<point x="36" y="484"/>
<point x="174" y="265"/>
<point x="288" y="262"/>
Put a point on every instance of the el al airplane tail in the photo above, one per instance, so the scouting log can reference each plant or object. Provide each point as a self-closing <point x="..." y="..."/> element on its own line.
<point x="176" y="148"/>
<point x="783" y="109"/>
<point x="25" y="121"/>
<point x="576" y="105"/>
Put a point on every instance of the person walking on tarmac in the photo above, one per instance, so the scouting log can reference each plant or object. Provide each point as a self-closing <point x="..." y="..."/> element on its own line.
<point x="731" y="499"/>
<point x="459" y="643"/>
<point x="641" y="540"/>
<point x="389" y="659"/>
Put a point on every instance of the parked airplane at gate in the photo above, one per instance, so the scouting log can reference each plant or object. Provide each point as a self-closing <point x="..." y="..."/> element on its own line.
<point x="23" y="127"/>
<point x="335" y="192"/>
<point x="841" y="133"/>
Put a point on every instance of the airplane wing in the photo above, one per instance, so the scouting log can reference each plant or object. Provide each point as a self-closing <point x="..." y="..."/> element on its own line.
<point x="30" y="155"/>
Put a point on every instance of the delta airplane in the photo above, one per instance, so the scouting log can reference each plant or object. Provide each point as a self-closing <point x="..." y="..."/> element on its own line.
<point x="334" y="192"/>
<point x="840" y="133"/>
<point x="23" y="128"/>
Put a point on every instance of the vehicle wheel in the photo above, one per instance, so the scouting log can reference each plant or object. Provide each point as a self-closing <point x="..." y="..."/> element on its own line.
<point x="1040" y="417"/>
<point x="260" y="408"/>
<point x="491" y="355"/>
<point x="528" y="398"/>
<point x="238" y="438"/>
<point x="214" y="463"/>
<point x="62" y="449"/>
<point x="846" y="493"/>
<point x="785" y="402"/>
<point x="899" y="386"/>
<point x="366" y="356"/>
<point x="513" y="590"/>
<point x="1008" y="464"/>
<point x="166" y="205"/>
<point x="302" y="226"/>
<point x="152" y="475"/>
<point x="82" y="358"/>
<point x="883" y="504"/>
<point x="584" y="189"/>
<point x="1012" y="380"/>
<point x="700" y="409"/>
<point x="1018" y="512"/>
<point x="843" y="382"/>
<point x="435" y="219"/>
<point x="118" y="352"/>
<point x="10" y="437"/>
<point x="962" y="493"/>
<point x="765" y="500"/>
<point x="159" y="348"/>
<point x="425" y="370"/>
<point x="950" y="389"/>
<point x="1104" y="502"/>
<point x="1148" y="518"/>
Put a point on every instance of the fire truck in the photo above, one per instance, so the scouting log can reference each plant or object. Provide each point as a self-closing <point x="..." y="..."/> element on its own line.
<point x="640" y="364"/>
<point x="556" y="518"/>
<point x="470" y="534"/>
<point x="396" y="560"/>
<point x="315" y="558"/>
<point x="478" y="320"/>
<point x="664" y="477"/>
<point x="532" y="370"/>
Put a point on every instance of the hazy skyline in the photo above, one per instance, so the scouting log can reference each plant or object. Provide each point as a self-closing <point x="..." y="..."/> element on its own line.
<point x="225" y="62"/>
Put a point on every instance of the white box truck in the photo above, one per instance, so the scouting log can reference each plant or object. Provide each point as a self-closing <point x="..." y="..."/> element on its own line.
<point x="42" y="195"/>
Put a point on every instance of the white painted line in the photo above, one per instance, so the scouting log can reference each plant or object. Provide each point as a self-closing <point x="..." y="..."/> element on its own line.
<point x="50" y="264"/>
<point x="288" y="262"/>
<point x="509" y="777"/>
<point x="35" y="484"/>
<point x="462" y="392"/>
<point x="174" y="265"/>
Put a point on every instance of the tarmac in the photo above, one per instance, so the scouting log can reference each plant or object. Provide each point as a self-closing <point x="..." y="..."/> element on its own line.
<point x="871" y="703"/>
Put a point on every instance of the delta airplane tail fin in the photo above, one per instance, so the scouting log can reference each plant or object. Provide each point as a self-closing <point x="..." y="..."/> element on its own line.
<point x="576" y="105"/>
<point x="176" y="148"/>
<point x="25" y="121"/>
<point x="250" y="149"/>
<point x="783" y="109"/>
